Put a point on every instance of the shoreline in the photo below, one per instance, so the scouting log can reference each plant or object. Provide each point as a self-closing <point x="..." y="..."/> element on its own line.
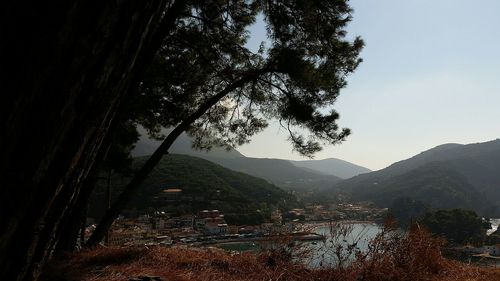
<point x="328" y="223"/>
<point x="307" y="233"/>
<point x="302" y="237"/>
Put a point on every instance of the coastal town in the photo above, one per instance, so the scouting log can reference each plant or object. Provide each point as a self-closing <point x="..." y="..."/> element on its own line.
<point x="209" y="226"/>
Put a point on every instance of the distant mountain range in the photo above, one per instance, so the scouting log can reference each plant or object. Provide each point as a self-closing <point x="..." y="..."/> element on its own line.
<point x="333" y="166"/>
<point x="279" y="172"/>
<point x="447" y="176"/>
<point x="295" y="175"/>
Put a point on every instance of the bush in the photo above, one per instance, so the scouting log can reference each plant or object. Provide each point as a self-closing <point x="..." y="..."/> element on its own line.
<point x="457" y="226"/>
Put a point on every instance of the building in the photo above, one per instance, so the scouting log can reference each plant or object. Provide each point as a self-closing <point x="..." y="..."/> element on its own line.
<point x="211" y="222"/>
<point x="215" y="228"/>
<point x="122" y="236"/>
<point x="159" y="221"/>
<point x="169" y="195"/>
<point x="209" y="214"/>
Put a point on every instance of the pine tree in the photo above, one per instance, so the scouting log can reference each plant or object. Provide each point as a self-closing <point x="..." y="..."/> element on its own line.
<point x="207" y="83"/>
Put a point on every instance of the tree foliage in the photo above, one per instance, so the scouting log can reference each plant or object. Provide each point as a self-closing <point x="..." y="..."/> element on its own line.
<point x="206" y="82"/>
<point x="407" y="210"/>
<point x="295" y="80"/>
<point x="457" y="225"/>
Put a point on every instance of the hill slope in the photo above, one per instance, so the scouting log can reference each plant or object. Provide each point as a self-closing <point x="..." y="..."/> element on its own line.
<point x="333" y="166"/>
<point x="146" y="146"/>
<point x="438" y="176"/>
<point x="204" y="185"/>
<point x="279" y="172"/>
<point x="296" y="175"/>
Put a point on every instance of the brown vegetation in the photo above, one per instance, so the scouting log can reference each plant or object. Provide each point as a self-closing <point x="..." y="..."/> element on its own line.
<point x="392" y="256"/>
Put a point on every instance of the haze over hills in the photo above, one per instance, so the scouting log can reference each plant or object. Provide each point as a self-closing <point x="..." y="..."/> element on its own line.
<point x="279" y="172"/>
<point x="449" y="175"/>
<point x="333" y="166"/>
<point x="146" y="146"/>
<point x="283" y="173"/>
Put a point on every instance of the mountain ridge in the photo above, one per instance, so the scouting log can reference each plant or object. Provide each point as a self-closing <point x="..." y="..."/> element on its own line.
<point x="281" y="172"/>
<point x="476" y="165"/>
<point x="333" y="166"/>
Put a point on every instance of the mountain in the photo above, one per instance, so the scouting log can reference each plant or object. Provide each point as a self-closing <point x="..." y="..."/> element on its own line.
<point x="182" y="145"/>
<point x="436" y="184"/>
<point x="279" y="172"/>
<point x="276" y="171"/>
<point x="204" y="185"/>
<point x="449" y="175"/>
<point x="333" y="166"/>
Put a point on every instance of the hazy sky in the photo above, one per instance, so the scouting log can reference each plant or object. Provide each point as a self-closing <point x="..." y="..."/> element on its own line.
<point x="431" y="75"/>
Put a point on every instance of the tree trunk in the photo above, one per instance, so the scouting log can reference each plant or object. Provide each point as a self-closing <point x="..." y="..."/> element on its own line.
<point x="108" y="201"/>
<point x="72" y="223"/>
<point x="76" y="219"/>
<point x="83" y="225"/>
<point x="69" y="65"/>
<point x="121" y="202"/>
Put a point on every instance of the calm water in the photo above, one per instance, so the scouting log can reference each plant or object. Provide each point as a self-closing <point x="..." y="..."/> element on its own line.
<point x="321" y="253"/>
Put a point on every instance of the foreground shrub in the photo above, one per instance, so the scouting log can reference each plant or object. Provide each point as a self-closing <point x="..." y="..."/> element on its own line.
<point x="396" y="255"/>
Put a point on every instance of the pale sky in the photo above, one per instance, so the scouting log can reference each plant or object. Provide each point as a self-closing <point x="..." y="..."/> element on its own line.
<point x="431" y="75"/>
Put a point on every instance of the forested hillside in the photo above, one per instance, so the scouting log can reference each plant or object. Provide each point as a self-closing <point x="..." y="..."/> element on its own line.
<point x="283" y="173"/>
<point x="447" y="176"/>
<point x="205" y="185"/>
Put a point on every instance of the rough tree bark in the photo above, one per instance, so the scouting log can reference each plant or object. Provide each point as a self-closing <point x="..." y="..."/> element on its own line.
<point x="72" y="223"/>
<point x="68" y="64"/>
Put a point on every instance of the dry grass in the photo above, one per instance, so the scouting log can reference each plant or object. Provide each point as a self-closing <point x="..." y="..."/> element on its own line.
<point x="407" y="257"/>
<point x="173" y="264"/>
